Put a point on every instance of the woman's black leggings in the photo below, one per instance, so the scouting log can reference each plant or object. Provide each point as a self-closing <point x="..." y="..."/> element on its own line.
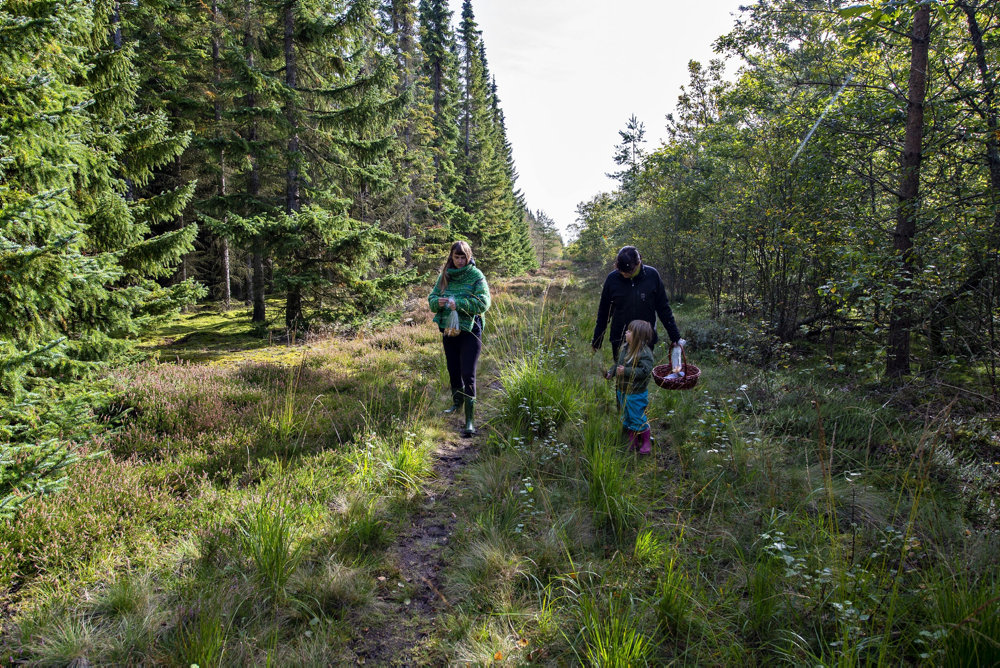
<point x="462" y="354"/>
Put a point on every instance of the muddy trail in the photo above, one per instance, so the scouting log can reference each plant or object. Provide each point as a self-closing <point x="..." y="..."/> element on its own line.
<point x="409" y="596"/>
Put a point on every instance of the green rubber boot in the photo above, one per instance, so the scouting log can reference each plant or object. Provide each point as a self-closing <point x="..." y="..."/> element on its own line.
<point x="456" y="401"/>
<point x="470" y="413"/>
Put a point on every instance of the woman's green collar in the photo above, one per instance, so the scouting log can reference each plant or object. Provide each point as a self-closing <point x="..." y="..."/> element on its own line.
<point x="454" y="272"/>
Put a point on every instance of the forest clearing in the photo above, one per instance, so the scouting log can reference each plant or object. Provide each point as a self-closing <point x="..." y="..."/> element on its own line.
<point x="254" y="254"/>
<point x="313" y="508"/>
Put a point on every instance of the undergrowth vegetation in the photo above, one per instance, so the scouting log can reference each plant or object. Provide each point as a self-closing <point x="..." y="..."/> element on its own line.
<point x="239" y="514"/>
<point x="794" y="510"/>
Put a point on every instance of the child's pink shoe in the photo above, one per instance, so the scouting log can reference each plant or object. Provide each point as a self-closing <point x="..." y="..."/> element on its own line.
<point x="646" y="438"/>
<point x="633" y="439"/>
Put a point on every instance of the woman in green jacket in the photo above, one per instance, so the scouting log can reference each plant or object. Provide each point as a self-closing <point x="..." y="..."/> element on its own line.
<point x="461" y="288"/>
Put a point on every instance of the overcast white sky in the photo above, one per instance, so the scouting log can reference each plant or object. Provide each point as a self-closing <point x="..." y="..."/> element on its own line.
<point x="571" y="72"/>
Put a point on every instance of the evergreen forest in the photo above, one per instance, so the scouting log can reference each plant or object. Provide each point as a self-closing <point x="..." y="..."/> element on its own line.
<point x="221" y="437"/>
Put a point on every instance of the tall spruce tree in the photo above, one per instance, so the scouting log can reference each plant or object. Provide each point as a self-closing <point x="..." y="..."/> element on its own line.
<point x="440" y="68"/>
<point x="629" y="155"/>
<point x="545" y="237"/>
<point x="338" y="102"/>
<point x="520" y="251"/>
<point x="415" y="204"/>
<point x="485" y="191"/>
<point x="77" y="252"/>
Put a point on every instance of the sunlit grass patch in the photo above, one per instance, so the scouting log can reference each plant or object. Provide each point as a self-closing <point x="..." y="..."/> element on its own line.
<point x="489" y="642"/>
<point x="364" y="529"/>
<point x="489" y="570"/>
<point x="400" y="460"/>
<point x="268" y="536"/>
<point x="611" y="632"/>
<point x="650" y="549"/>
<point x="535" y="398"/>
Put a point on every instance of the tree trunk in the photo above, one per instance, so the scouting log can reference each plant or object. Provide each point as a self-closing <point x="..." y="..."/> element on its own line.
<point x="293" y="309"/>
<point x="898" y="348"/>
<point x="116" y="30"/>
<point x="248" y="283"/>
<point x="990" y="115"/>
<point x="293" y="295"/>
<point x="227" y="293"/>
<point x="992" y="118"/>
<point x="292" y="198"/>
<point x="257" y="265"/>
<point x="253" y="188"/>
<point x="227" y="287"/>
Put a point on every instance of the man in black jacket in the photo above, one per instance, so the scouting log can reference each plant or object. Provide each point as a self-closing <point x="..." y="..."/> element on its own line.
<point x="633" y="291"/>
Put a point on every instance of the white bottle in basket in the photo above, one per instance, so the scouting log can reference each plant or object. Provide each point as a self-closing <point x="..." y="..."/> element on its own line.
<point x="676" y="362"/>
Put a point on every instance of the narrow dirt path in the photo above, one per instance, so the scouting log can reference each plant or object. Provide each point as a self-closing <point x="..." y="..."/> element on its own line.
<point x="410" y="601"/>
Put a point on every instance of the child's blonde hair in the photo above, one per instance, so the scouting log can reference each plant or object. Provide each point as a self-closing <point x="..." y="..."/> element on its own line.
<point x="642" y="334"/>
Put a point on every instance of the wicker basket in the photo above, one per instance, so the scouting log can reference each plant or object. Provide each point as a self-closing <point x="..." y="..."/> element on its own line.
<point x="690" y="379"/>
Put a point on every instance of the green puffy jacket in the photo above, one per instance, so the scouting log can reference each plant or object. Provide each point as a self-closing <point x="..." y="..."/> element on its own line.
<point x="472" y="296"/>
<point x="635" y="379"/>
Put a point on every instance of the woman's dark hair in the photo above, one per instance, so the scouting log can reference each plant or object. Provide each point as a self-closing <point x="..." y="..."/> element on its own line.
<point x="463" y="248"/>
<point x="627" y="260"/>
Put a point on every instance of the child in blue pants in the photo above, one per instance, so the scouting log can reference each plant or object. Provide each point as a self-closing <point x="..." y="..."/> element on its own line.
<point x="632" y="371"/>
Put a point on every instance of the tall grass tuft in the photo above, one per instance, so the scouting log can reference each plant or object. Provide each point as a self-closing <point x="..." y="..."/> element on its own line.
<point x="399" y="460"/>
<point x="649" y="550"/>
<point x="490" y="569"/>
<point x="266" y="532"/>
<point x="675" y="601"/>
<point x="969" y="622"/>
<point x="610" y="489"/>
<point x="763" y="597"/>
<point x="122" y="597"/>
<point x="201" y="638"/>
<point x="279" y="415"/>
<point x="336" y="589"/>
<point x="364" y="531"/>
<point x="407" y="464"/>
<point x="535" y="398"/>
<point x="611" y="634"/>
<point x="69" y="641"/>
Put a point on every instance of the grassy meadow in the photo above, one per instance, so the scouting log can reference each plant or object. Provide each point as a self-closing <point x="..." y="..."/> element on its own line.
<point x="258" y="503"/>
